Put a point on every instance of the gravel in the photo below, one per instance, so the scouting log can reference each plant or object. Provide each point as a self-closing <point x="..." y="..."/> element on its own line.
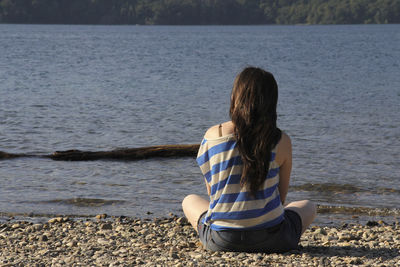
<point x="121" y="241"/>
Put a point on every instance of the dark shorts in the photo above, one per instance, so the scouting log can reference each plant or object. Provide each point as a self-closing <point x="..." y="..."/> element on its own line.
<point x="279" y="238"/>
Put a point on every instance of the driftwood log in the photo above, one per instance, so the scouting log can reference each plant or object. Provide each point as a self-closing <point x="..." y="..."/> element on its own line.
<point x="129" y="154"/>
<point x="118" y="154"/>
<point x="5" y="155"/>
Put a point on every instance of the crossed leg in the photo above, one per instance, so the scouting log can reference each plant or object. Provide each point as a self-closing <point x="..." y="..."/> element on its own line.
<point x="194" y="206"/>
<point x="307" y="211"/>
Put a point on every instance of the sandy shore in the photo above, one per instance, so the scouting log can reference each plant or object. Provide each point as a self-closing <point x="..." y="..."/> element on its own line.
<point x="172" y="242"/>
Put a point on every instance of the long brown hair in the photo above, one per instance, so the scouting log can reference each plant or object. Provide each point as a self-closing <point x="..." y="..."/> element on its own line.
<point x="253" y="113"/>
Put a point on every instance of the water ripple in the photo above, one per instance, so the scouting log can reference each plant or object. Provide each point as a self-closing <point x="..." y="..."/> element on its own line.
<point x="83" y="202"/>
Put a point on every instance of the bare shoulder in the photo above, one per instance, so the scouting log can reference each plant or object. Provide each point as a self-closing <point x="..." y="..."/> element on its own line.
<point x="284" y="149"/>
<point x="285" y="140"/>
<point x="219" y="130"/>
<point x="212" y="132"/>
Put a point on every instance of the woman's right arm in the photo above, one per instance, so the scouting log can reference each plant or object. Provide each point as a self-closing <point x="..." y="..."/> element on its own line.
<point x="285" y="161"/>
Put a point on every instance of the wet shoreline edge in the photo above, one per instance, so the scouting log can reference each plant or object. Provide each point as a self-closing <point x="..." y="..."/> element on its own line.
<point x="367" y="213"/>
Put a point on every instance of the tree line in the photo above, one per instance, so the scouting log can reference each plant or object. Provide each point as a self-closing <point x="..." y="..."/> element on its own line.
<point x="200" y="12"/>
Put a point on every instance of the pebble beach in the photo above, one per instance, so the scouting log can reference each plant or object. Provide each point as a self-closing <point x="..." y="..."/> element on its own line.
<point x="171" y="241"/>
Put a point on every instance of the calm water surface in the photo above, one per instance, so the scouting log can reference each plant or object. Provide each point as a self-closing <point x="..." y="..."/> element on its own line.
<point x="106" y="87"/>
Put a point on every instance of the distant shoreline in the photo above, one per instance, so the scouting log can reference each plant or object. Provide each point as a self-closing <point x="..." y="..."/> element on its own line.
<point x="195" y="12"/>
<point x="201" y="25"/>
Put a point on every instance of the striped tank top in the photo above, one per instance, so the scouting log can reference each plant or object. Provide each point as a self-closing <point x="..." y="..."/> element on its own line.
<point x="232" y="206"/>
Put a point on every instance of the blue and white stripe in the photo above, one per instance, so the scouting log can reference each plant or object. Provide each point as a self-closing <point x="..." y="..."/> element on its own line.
<point x="232" y="206"/>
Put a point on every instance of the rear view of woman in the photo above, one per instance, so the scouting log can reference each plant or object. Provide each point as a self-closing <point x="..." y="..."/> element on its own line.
<point x="246" y="163"/>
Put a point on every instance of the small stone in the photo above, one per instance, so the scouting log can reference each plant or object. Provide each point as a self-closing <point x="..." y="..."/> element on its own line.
<point x="72" y="244"/>
<point x="119" y="228"/>
<point x="143" y="231"/>
<point x="68" y="259"/>
<point x="347" y="237"/>
<point x="320" y="231"/>
<point x="15" y="226"/>
<point x="55" y="220"/>
<point x="346" y="244"/>
<point x="195" y="255"/>
<point x="257" y="257"/>
<point x="101" y="216"/>
<point x="37" y="227"/>
<point x="43" y="238"/>
<point x="372" y="223"/>
<point x="102" y="241"/>
<point x="181" y="220"/>
<point x="173" y="253"/>
<point x="191" y="245"/>
<point x="106" y="226"/>
<point x="324" y="261"/>
<point x="122" y="251"/>
<point x="356" y="261"/>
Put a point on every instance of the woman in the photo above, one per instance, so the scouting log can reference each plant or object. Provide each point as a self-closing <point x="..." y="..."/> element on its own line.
<point x="246" y="163"/>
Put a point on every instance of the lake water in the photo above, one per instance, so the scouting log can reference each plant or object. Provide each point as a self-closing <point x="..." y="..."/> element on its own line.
<point x="107" y="87"/>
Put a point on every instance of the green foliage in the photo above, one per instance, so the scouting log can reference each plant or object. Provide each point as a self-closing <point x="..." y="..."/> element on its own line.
<point x="187" y="12"/>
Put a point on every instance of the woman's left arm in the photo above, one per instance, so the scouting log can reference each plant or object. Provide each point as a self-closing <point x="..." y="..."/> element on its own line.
<point x="285" y="169"/>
